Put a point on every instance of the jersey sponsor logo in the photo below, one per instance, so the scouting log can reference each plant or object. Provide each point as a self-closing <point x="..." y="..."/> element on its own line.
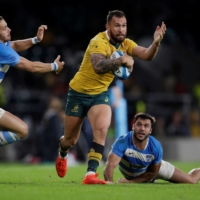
<point x="137" y="166"/>
<point x="75" y="109"/>
<point x="141" y="156"/>
<point x="131" y="173"/>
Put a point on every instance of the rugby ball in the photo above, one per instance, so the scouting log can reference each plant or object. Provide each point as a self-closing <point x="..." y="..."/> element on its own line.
<point x="122" y="72"/>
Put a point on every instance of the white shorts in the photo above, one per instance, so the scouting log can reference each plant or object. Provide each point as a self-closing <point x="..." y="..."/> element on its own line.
<point x="166" y="171"/>
<point x="2" y="111"/>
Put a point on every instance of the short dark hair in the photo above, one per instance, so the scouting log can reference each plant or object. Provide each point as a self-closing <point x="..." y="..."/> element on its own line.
<point x="1" y="18"/>
<point x="116" y="13"/>
<point x="145" y="116"/>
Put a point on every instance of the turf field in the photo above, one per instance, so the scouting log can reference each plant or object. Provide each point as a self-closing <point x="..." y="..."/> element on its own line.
<point x="40" y="182"/>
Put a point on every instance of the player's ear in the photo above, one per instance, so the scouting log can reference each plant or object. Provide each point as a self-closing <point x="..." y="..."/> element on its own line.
<point x="133" y="127"/>
<point x="107" y="26"/>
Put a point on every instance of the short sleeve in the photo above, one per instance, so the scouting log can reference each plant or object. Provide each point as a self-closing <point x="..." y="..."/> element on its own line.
<point x="118" y="147"/>
<point x="158" y="154"/>
<point x="8" y="56"/>
<point x="130" y="44"/>
<point x="98" y="46"/>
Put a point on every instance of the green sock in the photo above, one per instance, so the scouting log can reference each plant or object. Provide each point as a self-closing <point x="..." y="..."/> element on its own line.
<point x="92" y="165"/>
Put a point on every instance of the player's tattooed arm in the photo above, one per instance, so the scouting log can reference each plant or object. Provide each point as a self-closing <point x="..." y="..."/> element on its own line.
<point x="103" y="65"/>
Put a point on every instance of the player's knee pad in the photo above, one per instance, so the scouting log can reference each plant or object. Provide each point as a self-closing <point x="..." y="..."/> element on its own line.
<point x="166" y="170"/>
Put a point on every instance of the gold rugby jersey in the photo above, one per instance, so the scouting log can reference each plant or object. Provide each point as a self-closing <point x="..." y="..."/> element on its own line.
<point x="86" y="80"/>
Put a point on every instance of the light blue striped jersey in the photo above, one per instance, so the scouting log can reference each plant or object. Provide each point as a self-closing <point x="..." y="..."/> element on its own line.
<point x="8" y="57"/>
<point x="134" y="161"/>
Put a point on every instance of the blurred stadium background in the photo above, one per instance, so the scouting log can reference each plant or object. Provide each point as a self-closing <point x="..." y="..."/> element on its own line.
<point x="167" y="87"/>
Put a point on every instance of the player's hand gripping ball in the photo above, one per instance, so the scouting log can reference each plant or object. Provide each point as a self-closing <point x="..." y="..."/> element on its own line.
<point x="122" y="72"/>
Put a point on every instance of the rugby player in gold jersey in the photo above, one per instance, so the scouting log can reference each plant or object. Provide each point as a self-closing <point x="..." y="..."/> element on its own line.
<point x="88" y="95"/>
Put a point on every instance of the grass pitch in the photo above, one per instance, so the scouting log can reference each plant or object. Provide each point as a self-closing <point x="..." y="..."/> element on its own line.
<point x="40" y="182"/>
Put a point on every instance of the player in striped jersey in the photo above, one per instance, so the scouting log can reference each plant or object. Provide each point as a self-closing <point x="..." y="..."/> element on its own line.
<point x="139" y="157"/>
<point x="13" y="129"/>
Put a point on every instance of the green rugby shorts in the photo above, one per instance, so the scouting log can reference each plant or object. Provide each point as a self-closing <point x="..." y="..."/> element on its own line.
<point x="78" y="104"/>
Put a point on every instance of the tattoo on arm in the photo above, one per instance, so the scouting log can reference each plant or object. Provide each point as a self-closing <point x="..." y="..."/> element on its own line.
<point x="102" y="65"/>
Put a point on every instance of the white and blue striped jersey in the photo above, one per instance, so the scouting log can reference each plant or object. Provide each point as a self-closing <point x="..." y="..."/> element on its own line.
<point x="8" y="57"/>
<point x="134" y="161"/>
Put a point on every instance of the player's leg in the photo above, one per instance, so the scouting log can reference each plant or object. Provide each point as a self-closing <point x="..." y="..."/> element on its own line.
<point x="75" y="112"/>
<point x="172" y="174"/>
<point x="100" y="118"/>
<point x="69" y="139"/>
<point x="12" y="129"/>
<point x="179" y="176"/>
<point x="72" y="129"/>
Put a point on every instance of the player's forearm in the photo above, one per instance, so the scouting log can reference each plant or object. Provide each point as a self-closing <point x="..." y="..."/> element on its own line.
<point x="39" y="67"/>
<point x="34" y="67"/>
<point x="145" y="177"/>
<point x="108" y="173"/>
<point x="152" y="51"/>
<point x="22" y="45"/>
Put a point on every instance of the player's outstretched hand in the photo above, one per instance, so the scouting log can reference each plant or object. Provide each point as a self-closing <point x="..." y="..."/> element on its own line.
<point x="128" y="61"/>
<point x="60" y="64"/>
<point x="159" y="33"/>
<point x="40" y="33"/>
